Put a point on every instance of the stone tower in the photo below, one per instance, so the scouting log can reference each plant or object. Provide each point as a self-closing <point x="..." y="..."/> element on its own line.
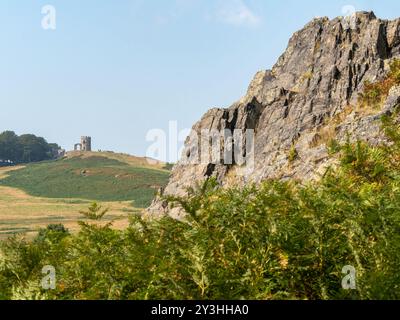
<point x="86" y="143"/>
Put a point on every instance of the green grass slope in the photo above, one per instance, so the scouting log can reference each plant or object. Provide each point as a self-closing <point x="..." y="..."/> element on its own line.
<point x="90" y="176"/>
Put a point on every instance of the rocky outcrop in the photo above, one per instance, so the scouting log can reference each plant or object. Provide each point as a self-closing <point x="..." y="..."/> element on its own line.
<point x="316" y="81"/>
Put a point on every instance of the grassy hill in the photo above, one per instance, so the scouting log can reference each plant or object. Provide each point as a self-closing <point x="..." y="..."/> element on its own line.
<point x="35" y="195"/>
<point x="103" y="176"/>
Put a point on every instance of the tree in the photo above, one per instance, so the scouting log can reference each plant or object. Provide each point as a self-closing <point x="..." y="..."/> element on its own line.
<point x="9" y="146"/>
<point x="25" y="148"/>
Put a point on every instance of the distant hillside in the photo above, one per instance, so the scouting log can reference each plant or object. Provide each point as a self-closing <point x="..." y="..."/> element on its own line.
<point x="100" y="176"/>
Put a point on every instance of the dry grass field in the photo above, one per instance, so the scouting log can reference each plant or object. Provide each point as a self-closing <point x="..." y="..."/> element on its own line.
<point x="21" y="213"/>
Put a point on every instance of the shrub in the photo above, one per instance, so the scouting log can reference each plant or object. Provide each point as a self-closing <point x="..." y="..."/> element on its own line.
<point x="293" y="154"/>
<point x="53" y="232"/>
<point x="333" y="146"/>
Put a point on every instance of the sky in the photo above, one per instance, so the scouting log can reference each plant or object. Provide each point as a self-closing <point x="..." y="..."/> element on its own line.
<point x="117" y="69"/>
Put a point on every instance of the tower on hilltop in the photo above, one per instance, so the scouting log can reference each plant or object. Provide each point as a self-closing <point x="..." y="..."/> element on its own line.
<point x="85" y="145"/>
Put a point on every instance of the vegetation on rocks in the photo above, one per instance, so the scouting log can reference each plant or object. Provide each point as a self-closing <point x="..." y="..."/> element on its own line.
<point x="375" y="93"/>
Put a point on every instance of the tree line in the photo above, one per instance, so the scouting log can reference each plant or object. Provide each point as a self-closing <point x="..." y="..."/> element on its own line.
<point x="15" y="149"/>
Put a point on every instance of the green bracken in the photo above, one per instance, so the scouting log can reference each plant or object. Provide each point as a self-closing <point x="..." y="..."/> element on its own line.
<point x="278" y="240"/>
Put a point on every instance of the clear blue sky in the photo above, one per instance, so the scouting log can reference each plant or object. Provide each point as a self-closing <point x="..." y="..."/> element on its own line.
<point x="116" y="69"/>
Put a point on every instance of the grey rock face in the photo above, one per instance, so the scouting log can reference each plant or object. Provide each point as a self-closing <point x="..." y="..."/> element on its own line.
<point x="317" y="79"/>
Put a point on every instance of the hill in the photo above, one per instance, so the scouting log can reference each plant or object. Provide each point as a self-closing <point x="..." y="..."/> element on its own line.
<point x="102" y="176"/>
<point x="35" y="195"/>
